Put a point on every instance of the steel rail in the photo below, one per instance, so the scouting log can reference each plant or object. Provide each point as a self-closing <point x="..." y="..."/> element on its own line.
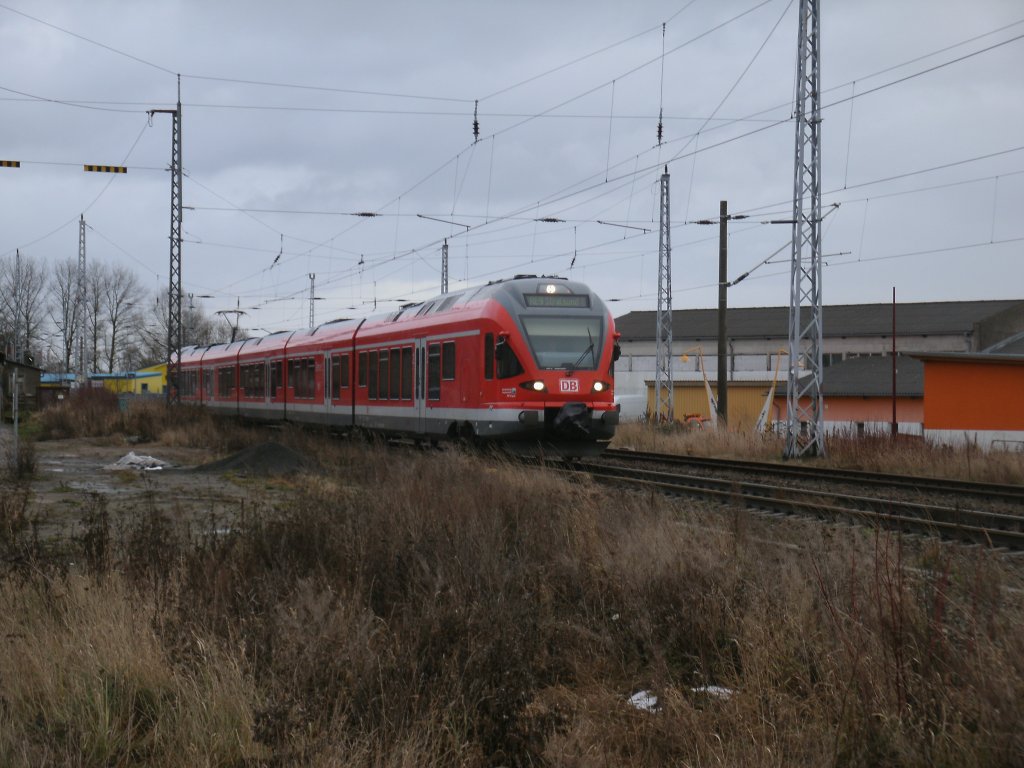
<point x="986" y="528"/>
<point x="992" y="491"/>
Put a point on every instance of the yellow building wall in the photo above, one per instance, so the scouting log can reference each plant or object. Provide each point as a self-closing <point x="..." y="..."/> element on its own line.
<point x="155" y="385"/>
<point x="133" y="385"/>
<point x="746" y="399"/>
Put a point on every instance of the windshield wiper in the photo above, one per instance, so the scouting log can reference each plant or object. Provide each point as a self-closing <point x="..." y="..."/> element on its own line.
<point x="588" y="351"/>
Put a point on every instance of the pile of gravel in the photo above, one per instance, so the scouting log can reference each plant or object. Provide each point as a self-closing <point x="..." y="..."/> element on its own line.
<point x="260" y="460"/>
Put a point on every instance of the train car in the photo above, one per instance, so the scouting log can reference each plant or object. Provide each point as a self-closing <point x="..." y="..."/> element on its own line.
<point x="523" y="362"/>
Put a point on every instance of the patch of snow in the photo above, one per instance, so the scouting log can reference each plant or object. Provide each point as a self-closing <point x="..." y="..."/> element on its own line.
<point x="644" y="700"/>
<point x="716" y="691"/>
<point x="134" y="461"/>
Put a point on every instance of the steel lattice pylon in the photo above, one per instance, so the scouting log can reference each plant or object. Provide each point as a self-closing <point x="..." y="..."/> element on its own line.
<point x="444" y="267"/>
<point x="663" y="385"/>
<point x="804" y="406"/>
<point x="80" y="325"/>
<point x="174" y="273"/>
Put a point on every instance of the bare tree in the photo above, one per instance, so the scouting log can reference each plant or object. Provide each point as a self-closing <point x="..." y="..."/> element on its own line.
<point x="197" y="329"/>
<point x="121" y="301"/>
<point x="64" y="311"/>
<point x="95" y="321"/>
<point x="22" y="283"/>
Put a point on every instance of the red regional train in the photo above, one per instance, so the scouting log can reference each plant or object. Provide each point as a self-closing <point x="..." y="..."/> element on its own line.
<point x="524" y="362"/>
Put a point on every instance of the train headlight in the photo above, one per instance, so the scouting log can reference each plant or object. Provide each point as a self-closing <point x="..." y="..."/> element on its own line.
<point x="536" y="386"/>
<point x="600" y="386"/>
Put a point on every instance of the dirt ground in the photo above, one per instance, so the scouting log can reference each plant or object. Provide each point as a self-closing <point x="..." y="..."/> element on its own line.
<point x="194" y="487"/>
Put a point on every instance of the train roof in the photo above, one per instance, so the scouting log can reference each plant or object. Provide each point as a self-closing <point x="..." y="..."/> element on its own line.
<point x="516" y="294"/>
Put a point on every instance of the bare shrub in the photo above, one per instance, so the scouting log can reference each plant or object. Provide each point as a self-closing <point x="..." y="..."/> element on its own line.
<point x="86" y="412"/>
<point x="21" y="464"/>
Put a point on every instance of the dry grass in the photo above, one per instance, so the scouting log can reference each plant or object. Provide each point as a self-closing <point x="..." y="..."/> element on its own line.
<point x="906" y="455"/>
<point x="97" y="413"/>
<point x="437" y="609"/>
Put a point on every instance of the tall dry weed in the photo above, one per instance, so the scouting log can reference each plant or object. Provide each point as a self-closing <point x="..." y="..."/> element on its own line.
<point x="441" y="609"/>
<point x="874" y="453"/>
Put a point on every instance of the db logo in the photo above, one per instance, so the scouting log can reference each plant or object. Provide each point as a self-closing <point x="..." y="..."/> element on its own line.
<point x="569" y="385"/>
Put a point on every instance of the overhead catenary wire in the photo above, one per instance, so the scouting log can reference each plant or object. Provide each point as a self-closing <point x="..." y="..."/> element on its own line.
<point x="632" y="180"/>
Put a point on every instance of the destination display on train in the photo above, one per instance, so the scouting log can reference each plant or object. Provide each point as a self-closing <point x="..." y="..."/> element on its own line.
<point x="558" y="300"/>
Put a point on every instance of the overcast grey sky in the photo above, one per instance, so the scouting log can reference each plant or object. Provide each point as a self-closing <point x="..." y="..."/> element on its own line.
<point x="298" y="115"/>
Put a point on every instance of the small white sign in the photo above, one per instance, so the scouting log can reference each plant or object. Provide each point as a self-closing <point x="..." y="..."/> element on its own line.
<point x="569" y="385"/>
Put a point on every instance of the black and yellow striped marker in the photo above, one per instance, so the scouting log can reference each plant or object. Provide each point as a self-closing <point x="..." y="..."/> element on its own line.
<point x="10" y="163"/>
<point x="106" y="168"/>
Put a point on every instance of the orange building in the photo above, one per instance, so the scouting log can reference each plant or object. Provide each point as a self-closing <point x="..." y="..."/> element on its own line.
<point x="859" y="396"/>
<point x="975" y="398"/>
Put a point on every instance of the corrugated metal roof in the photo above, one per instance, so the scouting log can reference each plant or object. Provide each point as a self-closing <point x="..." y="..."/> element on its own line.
<point x="871" y="377"/>
<point x="928" y="318"/>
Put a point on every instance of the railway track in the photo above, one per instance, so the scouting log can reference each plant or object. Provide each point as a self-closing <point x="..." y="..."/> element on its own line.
<point x="959" y="517"/>
<point x="1012" y="494"/>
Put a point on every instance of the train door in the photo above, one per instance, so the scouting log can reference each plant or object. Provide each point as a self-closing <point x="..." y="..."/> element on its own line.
<point x="420" y="390"/>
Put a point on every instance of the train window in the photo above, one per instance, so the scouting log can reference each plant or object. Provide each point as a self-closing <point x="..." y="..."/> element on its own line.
<point x="302" y="377"/>
<point x="209" y="383"/>
<point x="225" y="381"/>
<point x="382" y="381"/>
<point x="407" y="373"/>
<point x="434" y="372"/>
<point x="275" y="378"/>
<point x="396" y="373"/>
<point x="448" y="361"/>
<point x="253" y="379"/>
<point x="508" y="363"/>
<point x="371" y="374"/>
<point x="564" y="341"/>
<point x="339" y="375"/>
<point x="489" y="356"/>
<point x="362" y="368"/>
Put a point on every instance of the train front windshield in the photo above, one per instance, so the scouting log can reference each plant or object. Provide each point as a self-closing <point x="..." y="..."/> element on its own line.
<point x="564" y="342"/>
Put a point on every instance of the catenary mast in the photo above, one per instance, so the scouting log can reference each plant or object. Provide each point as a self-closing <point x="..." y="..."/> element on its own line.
<point x="804" y="403"/>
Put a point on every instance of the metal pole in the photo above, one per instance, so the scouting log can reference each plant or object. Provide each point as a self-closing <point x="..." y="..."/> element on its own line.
<point x="14" y="413"/>
<point x="723" y="289"/>
<point x="805" y="433"/>
<point x="895" y="424"/>
<point x="174" y="333"/>
<point x="444" y="266"/>
<point x="312" y="299"/>
<point x="664" y="395"/>
<point x="80" y="321"/>
<point x="17" y="306"/>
